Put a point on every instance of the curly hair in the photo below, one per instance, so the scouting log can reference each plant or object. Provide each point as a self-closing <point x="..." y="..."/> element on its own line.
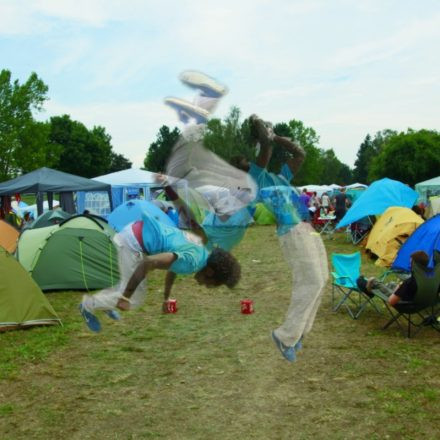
<point x="226" y="268"/>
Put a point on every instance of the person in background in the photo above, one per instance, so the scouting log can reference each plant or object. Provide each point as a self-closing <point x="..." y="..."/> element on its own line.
<point x="27" y="220"/>
<point x="325" y="203"/>
<point x="341" y="203"/>
<point x="403" y="291"/>
<point x="304" y="198"/>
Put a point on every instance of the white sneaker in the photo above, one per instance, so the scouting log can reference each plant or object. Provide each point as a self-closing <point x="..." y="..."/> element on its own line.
<point x="187" y="111"/>
<point x="206" y="84"/>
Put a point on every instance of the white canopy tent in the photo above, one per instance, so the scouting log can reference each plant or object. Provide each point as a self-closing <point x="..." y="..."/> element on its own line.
<point x="132" y="183"/>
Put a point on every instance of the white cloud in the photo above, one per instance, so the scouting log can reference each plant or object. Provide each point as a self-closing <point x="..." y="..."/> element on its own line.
<point x="345" y="68"/>
<point x="380" y="48"/>
<point x="16" y="19"/>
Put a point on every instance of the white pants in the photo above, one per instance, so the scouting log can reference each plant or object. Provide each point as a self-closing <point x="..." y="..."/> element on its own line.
<point x="305" y="253"/>
<point x="129" y="256"/>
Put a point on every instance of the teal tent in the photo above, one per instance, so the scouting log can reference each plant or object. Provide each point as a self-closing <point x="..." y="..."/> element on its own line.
<point x="428" y="188"/>
<point x="375" y="200"/>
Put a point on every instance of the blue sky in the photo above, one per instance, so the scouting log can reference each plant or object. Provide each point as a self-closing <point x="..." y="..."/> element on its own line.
<point x="345" y="68"/>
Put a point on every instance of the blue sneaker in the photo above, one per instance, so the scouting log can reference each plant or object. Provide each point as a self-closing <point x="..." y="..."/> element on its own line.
<point x="113" y="314"/>
<point x="90" y="319"/>
<point x="288" y="352"/>
<point x="298" y="346"/>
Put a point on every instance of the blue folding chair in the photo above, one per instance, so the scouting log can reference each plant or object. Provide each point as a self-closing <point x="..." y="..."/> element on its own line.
<point x="346" y="272"/>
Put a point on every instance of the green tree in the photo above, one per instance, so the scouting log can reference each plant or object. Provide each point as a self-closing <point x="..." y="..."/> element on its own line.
<point x="23" y="141"/>
<point x="409" y="157"/>
<point x="229" y="138"/>
<point x="311" y="169"/>
<point x="83" y="152"/>
<point x="364" y="157"/>
<point x="118" y="162"/>
<point x="160" y="150"/>
<point x="333" y="170"/>
<point x="36" y="150"/>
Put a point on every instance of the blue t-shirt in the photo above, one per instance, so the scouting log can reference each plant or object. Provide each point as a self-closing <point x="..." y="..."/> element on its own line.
<point x="228" y="233"/>
<point x="157" y="237"/>
<point x="265" y="179"/>
<point x="277" y="195"/>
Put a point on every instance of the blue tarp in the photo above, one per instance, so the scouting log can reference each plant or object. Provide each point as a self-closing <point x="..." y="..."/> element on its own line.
<point x="131" y="211"/>
<point x="378" y="198"/>
<point x="425" y="238"/>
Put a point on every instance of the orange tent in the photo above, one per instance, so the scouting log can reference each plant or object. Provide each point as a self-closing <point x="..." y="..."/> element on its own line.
<point x="8" y="236"/>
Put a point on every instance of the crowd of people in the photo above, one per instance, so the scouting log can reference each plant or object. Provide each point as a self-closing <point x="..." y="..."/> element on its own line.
<point x="334" y="204"/>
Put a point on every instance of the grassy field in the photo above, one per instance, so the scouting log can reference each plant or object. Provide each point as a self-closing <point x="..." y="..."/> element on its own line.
<point x="209" y="372"/>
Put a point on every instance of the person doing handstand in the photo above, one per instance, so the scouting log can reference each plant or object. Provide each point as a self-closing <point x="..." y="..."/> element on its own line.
<point x="148" y="245"/>
<point x="302" y="247"/>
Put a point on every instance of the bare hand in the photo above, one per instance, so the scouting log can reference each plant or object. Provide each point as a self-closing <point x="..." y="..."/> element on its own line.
<point x="123" y="304"/>
<point x="161" y="178"/>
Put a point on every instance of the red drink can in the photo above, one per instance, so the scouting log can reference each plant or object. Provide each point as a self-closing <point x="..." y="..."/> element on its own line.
<point x="172" y="305"/>
<point x="247" y="306"/>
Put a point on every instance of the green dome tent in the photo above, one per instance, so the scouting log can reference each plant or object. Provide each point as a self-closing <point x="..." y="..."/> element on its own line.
<point x="75" y="254"/>
<point x="49" y="218"/>
<point x="263" y="216"/>
<point x="22" y="303"/>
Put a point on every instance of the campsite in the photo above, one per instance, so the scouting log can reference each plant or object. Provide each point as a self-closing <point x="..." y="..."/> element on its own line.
<point x="211" y="370"/>
<point x="219" y="220"/>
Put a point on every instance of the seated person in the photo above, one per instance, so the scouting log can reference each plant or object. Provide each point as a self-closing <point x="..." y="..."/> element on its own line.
<point x="27" y="220"/>
<point x="403" y="291"/>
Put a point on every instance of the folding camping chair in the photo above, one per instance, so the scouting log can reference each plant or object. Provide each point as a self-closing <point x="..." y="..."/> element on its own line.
<point x="328" y="224"/>
<point x="347" y="270"/>
<point x="423" y="310"/>
<point x="358" y="230"/>
<point x="317" y="221"/>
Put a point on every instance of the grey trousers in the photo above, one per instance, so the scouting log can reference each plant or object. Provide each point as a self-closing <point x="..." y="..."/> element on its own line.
<point x="305" y="253"/>
<point x="128" y="260"/>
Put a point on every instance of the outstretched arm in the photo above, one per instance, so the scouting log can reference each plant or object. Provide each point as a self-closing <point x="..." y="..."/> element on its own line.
<point x="263" y="135"/>
<point x="169" y="281"/>
<point x="151" y="262"/>
<point x="296" y="153"/>
<point x="195" y="227"/>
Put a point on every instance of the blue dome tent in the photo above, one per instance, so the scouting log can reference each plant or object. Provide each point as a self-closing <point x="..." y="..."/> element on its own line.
<point x="131" y="211"/>
<point x="425" y="238"/>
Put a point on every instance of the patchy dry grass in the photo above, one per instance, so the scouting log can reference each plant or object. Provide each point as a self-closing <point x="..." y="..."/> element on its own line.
<point x="209" y="372"/>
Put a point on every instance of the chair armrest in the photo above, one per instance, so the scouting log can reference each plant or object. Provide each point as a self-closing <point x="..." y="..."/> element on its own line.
<point x="380" y="294"/>
<point x="336" y="276"/>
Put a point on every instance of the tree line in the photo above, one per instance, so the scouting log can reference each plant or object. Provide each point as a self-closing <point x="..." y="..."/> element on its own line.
<point x="60" y="143"/>
<point x="409" y="157"/>
<point x="68" y="145"/>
